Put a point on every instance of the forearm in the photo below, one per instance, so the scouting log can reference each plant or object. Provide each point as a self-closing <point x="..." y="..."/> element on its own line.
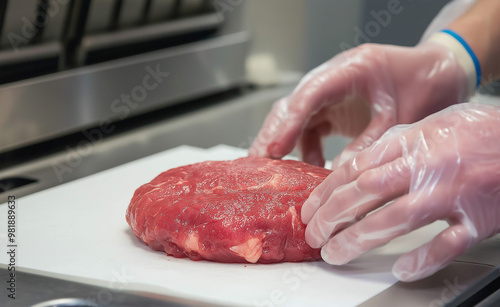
<point x="480" y="27"/>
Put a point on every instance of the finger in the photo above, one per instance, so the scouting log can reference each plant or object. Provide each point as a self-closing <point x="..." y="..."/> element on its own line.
<point x="375" y="129"/>
<point x="351" y="202"/>
<point x="311" y="148"/>
<point x="289" y="117"/>
<point x="271" y="129"/>
<point x="433" y="256"/>
<point x="381" y="152"/>
<point x="401" y="217"/>
<point x="310" y="145"/>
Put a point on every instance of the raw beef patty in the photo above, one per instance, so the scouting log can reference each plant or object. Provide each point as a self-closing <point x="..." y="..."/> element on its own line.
<point x="245" y="210"/>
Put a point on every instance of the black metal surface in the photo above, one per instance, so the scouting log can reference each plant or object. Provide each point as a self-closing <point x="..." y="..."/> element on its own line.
<point x="75" y="29"/>
<point x="41" y="19"/>
<point x="486" y="295"/>
<point x="11" y="183"/>
<point x="3" y="11"/>
<point x="115" y="15"/>
<point x="99" y="55"/>
<point x="145" y="10"/>
<point x="46" y="64"/>
<point x="491" y="301"/>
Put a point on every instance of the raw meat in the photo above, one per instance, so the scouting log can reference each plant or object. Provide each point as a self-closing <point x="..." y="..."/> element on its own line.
<point x="245" y="210"/>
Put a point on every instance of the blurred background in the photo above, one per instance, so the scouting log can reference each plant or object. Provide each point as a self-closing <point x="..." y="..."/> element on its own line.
<point x="91" y="84"/>
<point x="301" y="34"/>
<point x="53" y="35"/>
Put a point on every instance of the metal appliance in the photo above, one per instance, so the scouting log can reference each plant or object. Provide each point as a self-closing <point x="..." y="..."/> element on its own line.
<point x="105" y="59"/>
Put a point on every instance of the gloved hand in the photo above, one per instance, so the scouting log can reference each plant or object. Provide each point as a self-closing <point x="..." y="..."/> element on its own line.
<point x="361" y="93"/>
<point x="444" y="167"/>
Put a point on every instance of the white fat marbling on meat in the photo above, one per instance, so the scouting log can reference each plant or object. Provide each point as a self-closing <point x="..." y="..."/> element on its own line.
<point x="192" y="242"/>
<point x="251" y="250"/>
<point x="294" y="214"/>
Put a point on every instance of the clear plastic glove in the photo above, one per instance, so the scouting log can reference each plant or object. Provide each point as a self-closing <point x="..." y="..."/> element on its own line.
<point x="445" y="167"/>
<point x="361" y="93"/>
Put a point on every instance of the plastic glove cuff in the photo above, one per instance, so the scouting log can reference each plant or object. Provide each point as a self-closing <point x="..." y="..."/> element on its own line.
<point x="465" y="56"/>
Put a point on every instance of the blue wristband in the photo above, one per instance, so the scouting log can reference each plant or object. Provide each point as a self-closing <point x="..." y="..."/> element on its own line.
<point x="470" y="51"/>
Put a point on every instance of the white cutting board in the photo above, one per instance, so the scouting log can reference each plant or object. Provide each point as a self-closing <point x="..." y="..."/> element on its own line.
<point x="79" y="229"/>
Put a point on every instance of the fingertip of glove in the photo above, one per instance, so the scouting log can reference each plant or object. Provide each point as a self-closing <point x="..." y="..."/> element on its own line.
<point x="306" y="215"/>
<point x="274" y="151"/>
<point x="309" y="208"/>
<point x="402" y="276"/>
<point x="403" y="269"/>
<point x="252" y="152"/>
<point x="315" y="159"/>
<point x="329" y="257"/>
<point x="314" y="234"/>
<point x="258" y="151"/>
